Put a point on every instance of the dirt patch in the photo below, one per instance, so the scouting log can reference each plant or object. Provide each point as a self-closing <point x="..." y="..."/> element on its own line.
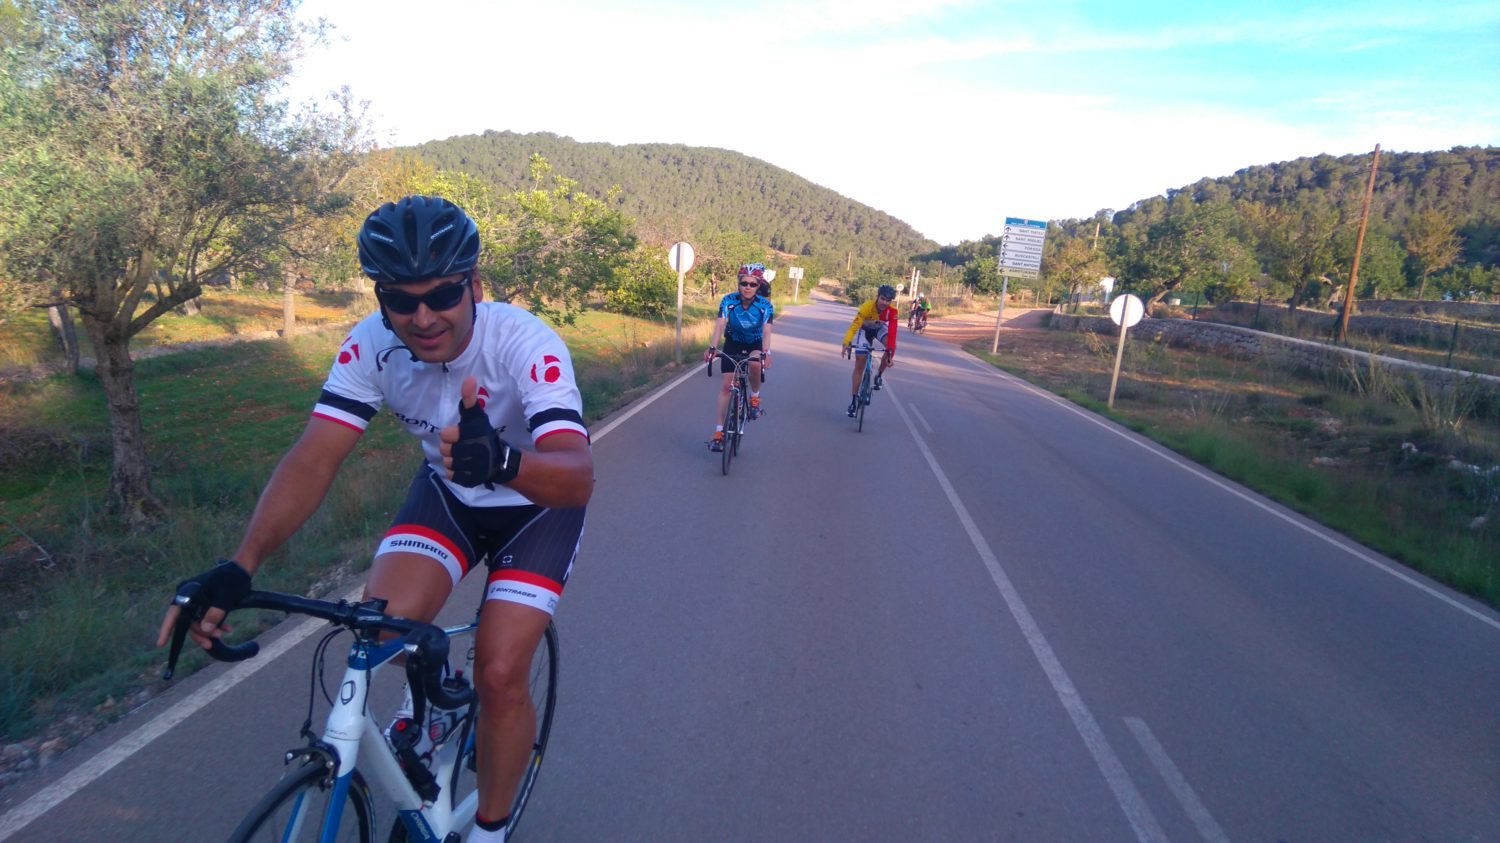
<point x="1025" y="342"/>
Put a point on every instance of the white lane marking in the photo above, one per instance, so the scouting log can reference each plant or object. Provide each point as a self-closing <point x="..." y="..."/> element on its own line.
<point x="1136" y="810"/>
<point x="920" y="418"/>
<point x="84" y="774"/>
<point x="1174" y="459"/>
<point x="1178" y="783"/>
<point x="644" y="403"/>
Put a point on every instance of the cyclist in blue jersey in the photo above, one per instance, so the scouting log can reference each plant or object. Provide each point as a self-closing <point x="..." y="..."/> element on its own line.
<point x="744" y="324"/>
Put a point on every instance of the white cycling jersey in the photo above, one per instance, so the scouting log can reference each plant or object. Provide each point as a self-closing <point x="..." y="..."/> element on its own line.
<point x="522" y="368"/>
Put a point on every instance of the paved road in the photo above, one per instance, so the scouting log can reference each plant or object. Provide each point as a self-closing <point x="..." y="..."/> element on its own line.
<point x="989" y="616"/>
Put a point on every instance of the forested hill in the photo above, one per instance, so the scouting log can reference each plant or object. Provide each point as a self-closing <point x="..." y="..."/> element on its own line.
<point x="676" y="191"/>
<point x="1461" y="184"/>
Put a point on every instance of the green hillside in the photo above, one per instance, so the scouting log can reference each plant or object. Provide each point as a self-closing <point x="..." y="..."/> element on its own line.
<point x="676" y="192"/>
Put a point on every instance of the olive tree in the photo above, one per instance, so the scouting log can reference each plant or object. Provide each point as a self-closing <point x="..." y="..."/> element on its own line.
<point x="145" y="148"/>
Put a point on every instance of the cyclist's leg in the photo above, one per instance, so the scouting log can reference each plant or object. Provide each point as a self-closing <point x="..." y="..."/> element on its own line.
<point x="736" y="350"/>
<point x="881" y="339"/>
<point x="425" y="552"/>
<point x="527" y="576"/>
<point x="752" y="351"/>
<point x="861" y="348"/>
<point x="508" y="636"/>
<point x="723" y="398"/>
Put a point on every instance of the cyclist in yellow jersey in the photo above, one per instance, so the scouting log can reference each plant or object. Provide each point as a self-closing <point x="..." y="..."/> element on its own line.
<point x="875" y="322"/>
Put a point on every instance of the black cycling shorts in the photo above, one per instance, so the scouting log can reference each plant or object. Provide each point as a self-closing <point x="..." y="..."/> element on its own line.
<point x="738" y="350"/>
<point x="529" y="549"/>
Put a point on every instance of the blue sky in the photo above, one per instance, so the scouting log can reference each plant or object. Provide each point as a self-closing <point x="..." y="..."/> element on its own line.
<point x="949" y="115"/>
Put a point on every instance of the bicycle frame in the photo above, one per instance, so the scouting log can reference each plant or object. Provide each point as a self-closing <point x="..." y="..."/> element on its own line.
<point x="865" y="379"/>
<point x="351" y="731"/>
<point x="738" y="406"/>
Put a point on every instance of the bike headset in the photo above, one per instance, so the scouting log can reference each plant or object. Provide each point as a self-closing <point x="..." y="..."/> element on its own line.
<point x="415" y="239"/>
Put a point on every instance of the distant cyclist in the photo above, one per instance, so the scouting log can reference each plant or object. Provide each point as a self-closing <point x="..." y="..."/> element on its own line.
<point x="874" y="323"/>
<point x="917" y="316"/>
<point x="744" y="325"/>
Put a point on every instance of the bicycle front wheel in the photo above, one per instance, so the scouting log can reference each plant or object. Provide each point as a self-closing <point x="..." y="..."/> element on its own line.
<point x="864" y="398"/>
<point x="730" y="432"/>
<point x="544" y="697"/>
<point x="295" y="808"/>
<point x="739" y="420"/>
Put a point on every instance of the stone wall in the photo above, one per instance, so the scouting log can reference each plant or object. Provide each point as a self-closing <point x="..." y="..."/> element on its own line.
<point x="1412" y="329"/>
<point x="1300" y="355"/>
<point x="1466" y="311"/>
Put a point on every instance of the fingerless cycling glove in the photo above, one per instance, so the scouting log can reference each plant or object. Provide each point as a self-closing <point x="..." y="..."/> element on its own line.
<point x="480" y="455"/>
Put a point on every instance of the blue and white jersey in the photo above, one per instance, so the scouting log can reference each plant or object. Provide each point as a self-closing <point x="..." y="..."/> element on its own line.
<point x="524" y="375"/>
<point x="746" y="324"/>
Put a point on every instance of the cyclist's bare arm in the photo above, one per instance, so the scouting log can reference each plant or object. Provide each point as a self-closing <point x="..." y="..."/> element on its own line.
<point x="713" y="339"/>
<point x="560" y="474"/>
<point x="765" y="346"/>
<point x="295" y="491"/>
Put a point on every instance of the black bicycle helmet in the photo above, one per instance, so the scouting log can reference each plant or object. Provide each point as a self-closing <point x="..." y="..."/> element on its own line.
<point x="887" y="291"/>
<point x="417" y="238"/>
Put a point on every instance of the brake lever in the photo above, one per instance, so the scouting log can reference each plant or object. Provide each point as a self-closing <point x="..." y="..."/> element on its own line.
<point x="190" y="613"/>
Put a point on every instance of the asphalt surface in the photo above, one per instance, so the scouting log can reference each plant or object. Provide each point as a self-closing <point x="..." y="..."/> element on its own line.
<point x="988" y="616"/>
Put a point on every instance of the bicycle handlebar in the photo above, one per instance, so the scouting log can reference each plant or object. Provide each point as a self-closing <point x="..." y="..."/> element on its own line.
<point x="738" y="363"/>
<point x="426" y="645"/>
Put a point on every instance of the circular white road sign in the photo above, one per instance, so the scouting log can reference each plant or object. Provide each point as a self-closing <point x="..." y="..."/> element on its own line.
<point x="680" y="256"/>
<point x="1126" y="311"/>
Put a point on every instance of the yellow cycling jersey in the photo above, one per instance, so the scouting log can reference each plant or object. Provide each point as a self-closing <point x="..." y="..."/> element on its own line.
<point x="871" y="310"/>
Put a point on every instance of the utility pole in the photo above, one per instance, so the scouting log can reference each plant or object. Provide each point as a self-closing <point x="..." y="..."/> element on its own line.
<point x="1359" y="246"/>
<point x="1095" y="247"/>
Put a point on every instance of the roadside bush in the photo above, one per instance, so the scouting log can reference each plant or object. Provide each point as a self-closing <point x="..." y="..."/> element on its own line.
<point x="646" y="286"/>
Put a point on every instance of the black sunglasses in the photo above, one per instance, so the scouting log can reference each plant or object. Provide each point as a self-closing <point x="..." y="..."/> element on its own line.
<point x="445" y="297"/>
<point x="750" y="283"/>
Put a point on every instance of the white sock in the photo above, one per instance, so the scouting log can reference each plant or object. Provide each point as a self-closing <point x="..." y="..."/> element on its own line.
<point x="754" y="394"/>
<point x="718" y="428"/>
<point x="479" y="835"/>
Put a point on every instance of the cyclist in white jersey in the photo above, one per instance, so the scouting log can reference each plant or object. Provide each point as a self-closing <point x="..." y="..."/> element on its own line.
<point x="489" y="391"/>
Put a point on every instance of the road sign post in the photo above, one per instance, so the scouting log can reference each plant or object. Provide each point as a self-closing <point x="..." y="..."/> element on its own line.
<point x="795" y="273"/>
<point x="1020" y="257"/>
<point x="1126" y="311"/>
<point x="1000" y="316"/>
<point x="680" y="258"/>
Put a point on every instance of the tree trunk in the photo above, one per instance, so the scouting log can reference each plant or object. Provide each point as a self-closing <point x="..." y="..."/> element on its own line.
<point x="130" y="476"/>
<point x="67" y="335"/>
<point x="191" y="307"/>
<point x="1422" y="288"/>
<point x="288" y="307"/>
